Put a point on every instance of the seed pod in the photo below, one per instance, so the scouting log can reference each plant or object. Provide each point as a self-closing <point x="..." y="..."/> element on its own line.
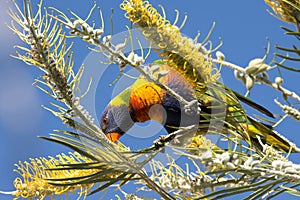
<point x="220" y="55"/>
<point x="90" y="30"/>
<point x="256" y="66"/>
<point x="249" y="83"/>
<point x="131" y="56"/>
<point x="86" y="37"/>
<point x="238" y="75"/>
<point x="78" y="22"/>
<point x="278" y="80"/>
<point x="290" y="170"/>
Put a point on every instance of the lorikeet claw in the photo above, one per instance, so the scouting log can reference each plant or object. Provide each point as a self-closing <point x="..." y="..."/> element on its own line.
<point x="192" y="108"/>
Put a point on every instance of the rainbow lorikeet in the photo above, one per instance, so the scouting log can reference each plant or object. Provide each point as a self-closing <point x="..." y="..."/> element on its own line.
<point x="145" y="100"/>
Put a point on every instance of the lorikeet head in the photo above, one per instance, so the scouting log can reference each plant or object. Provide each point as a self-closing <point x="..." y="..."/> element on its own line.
<point x="139" y="103"/>
<point x="115" y="121"/>
<point x="116" y="118"/>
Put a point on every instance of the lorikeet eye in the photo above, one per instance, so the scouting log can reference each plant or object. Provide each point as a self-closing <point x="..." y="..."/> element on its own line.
<point x="104" y="124"/>
<point x="105" y="120"/>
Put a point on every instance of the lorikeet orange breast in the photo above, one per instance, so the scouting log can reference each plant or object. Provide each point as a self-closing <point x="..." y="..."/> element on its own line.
<point x="144" y="101"/>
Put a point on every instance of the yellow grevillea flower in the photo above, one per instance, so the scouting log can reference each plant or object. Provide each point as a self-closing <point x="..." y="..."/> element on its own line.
<point x="181" y="53"/>
<point x="286" y="10"/>
<point x="36" y="175"/>
<point x="201" y="142"/>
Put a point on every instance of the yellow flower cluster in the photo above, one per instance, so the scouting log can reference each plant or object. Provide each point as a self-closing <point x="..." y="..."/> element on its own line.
<point x="200" y="144"/>
<point x="37" y="173"/>
<point x="286" y="10"/>
<point x="181" y="53"/>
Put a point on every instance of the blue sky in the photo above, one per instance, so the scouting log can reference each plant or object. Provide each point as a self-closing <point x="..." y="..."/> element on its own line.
<point x="242" y="25"/>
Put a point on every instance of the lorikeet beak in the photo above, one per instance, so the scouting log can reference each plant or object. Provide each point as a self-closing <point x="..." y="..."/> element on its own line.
<point x="114" y="137"/>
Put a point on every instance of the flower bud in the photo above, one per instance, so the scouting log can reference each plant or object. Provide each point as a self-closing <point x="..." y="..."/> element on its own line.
<point x="256" y="66"/>
<point x="278" y="80"/>
<point x="249" y="83"/>
<point x="220" y="55"/>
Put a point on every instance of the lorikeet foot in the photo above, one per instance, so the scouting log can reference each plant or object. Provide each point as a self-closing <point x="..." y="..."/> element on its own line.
<point x="193" y="107"/>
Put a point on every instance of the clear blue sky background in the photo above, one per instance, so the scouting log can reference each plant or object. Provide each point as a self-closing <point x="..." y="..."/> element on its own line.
<point x="243" y="26"/>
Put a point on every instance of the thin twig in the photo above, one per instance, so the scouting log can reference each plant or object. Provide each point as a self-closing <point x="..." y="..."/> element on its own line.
<point x="260" y="79"/>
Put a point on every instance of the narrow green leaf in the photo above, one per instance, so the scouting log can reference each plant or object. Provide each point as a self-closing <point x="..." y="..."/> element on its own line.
<point x="288" y="68"/>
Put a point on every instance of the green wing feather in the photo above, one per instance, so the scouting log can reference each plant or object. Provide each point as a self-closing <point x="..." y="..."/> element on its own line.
<point x="218" y="97"/>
